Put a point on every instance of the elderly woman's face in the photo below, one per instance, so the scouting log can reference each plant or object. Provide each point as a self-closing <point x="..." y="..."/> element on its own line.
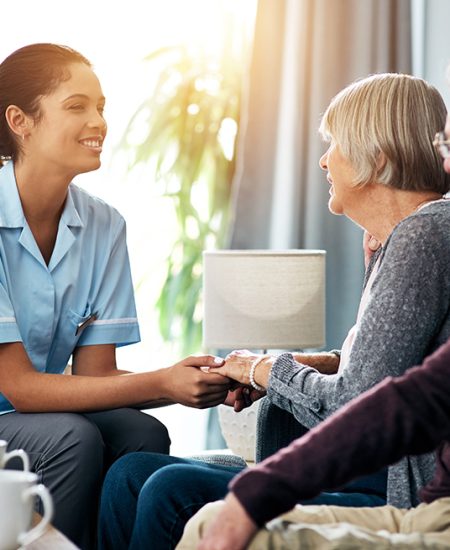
<point x="341" y="177"/>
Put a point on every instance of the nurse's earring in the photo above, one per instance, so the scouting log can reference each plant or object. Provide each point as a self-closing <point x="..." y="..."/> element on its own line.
<point x="19" y="123"/>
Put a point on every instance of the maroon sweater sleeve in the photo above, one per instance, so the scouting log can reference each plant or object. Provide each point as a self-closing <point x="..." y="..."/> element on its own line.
<point x="400" y="416"/>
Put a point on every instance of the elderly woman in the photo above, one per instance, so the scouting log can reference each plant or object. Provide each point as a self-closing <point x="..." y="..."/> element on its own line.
<point x="404" y="415"/>
<point x="384" y="174"/>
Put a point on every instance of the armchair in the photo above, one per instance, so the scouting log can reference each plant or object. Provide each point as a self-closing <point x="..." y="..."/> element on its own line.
<point x="253" y="434"/>
<point x="275" y="429"/>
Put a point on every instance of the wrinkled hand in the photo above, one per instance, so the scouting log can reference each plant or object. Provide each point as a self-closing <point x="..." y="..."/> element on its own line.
<point x="237" y="366"/>
<point x="191" y="386"/>
<point x="232" y="529"/>
<point x="242" y="397"/>
<point x="370" y="246"/>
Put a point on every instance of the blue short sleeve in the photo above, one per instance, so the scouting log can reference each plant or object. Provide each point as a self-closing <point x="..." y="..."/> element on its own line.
<point x="113" y="303"/>
<point x="9" y="331"/>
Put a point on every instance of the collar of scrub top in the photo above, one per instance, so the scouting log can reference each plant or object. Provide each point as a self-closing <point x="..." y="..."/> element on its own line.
<point x="11" y="211"/>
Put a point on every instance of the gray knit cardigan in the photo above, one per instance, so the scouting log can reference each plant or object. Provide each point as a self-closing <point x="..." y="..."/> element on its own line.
<point x="407" y="317"/>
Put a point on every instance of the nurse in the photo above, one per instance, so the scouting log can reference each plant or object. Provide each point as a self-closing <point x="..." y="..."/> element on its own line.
<point x="66" y="294"/>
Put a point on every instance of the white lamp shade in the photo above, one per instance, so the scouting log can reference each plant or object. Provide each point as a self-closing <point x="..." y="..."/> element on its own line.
<point x="264" y="299"/>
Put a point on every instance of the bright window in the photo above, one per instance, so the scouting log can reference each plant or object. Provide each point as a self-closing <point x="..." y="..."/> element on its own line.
<point x="115" y="37"/>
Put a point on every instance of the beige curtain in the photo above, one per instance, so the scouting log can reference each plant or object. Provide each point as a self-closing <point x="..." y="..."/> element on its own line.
<point x="304" y="52"/>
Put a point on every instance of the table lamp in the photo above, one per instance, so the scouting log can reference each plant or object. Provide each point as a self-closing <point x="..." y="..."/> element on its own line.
<point x="259" y="300"/>
<point x="264" y="299"/>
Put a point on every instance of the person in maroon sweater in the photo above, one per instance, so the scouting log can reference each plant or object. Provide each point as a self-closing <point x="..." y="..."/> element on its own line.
<point x="401" y="416"/>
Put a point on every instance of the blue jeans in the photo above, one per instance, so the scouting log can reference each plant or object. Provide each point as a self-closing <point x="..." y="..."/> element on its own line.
<point x="148" y="498"/>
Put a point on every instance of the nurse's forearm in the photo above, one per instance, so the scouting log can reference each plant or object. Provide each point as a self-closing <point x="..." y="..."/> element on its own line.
<point x="37" y="392"/>
<point x="147" y="405"/>
<point x="32" y="391"/>
<point x="154" y="404"/>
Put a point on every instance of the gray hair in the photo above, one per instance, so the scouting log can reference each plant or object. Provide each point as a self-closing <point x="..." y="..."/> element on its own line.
<point x="384" y="125"/>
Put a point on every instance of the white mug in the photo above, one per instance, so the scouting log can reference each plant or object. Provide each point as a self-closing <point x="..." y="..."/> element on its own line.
<point x="4" y="456"/>
<point x="17" y="495"/>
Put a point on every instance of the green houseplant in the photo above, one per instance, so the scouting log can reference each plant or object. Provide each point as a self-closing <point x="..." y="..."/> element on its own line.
<point x="188" y="127"/>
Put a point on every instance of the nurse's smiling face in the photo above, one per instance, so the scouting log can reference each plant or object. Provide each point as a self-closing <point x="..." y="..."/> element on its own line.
<point x="68" y="136"/>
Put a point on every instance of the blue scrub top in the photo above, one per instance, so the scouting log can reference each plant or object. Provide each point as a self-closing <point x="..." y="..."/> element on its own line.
<point x="89" y="273"/>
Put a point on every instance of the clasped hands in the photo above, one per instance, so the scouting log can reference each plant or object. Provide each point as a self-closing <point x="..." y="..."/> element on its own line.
<point x="237" y="367"/>
<point x="205" y="381"/>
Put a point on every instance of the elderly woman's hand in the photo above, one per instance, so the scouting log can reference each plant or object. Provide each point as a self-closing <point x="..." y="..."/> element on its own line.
<point x="232" y="529"/>
<point x="370" y="246"/>
<point x="243" y="397"/>
<point x="238" y="366"/>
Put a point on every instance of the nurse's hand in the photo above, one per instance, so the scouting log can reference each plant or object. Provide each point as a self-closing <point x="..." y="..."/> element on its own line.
<point x="189" y="385"/>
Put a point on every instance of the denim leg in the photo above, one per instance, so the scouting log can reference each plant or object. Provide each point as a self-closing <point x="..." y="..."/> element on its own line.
<point x="136" y="498"/>
<point x="120" y="493"/>
<point x="366" y="491"/>
<point x="170" y="497"/>
<point x="353" y="500"/>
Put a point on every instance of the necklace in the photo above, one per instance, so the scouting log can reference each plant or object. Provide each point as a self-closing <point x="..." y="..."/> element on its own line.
<point x="427" y="202"/>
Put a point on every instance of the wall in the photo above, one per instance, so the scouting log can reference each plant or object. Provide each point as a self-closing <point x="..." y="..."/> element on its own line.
<point x="431" y="38"/>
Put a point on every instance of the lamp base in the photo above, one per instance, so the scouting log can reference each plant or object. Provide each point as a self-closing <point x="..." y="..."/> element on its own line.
<point x="239" y="430"/>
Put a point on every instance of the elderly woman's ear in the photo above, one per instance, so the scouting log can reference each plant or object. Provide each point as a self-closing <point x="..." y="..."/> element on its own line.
<point x="381" y="163"/>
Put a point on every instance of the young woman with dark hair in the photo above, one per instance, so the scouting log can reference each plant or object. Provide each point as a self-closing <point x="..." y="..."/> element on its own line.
<point x="66" y="294"/>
